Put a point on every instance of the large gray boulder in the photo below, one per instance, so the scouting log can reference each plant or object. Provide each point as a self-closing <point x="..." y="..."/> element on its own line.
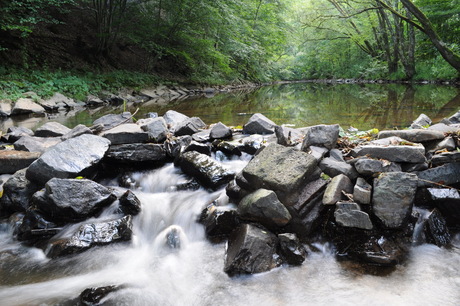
<point x="220" y="131"/>
<point x="393" y="197"/>
<point x="5" y="109"/>
<point x="259" y="124"/>
<point x="447" y="174"/>
<point x="91" y="234"/>
<point x="27" y="106"/>
<point x="36" y="144"/>
<point x="207" y="171"/>
<point x="415" y="135"/>
<point x="156" y="129"/>
<point x="173" y="118"/>
<point x="333" y="194"/>
<point x="263" y="206"/>
<point x="12" y="160"/>
<point x="189" y="126"/>
<point x="350" y="215"/>
<point x="51" y="129"/>
<point x="281" y="169"/>
<point x="72" y="199"/>
<point x="126" y="133"/>
<point x="17" y="192"/>
<point x="71" y="158"/>
<point x="250" y="250"/>
<point x="136" y="153"/>
<point x="321" y="136"/>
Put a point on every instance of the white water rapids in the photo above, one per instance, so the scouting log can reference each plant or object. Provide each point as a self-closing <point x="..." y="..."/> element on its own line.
<point x="153" y="274"/>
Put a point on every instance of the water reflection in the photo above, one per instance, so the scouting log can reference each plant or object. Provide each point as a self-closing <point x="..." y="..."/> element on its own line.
<point x="363" y="106"/>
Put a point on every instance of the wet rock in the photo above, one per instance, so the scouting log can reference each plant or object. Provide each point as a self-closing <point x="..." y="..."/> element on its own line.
<point x="333" y="194"/>
<point x="242" y="181"/>
<point x="291" y="250"/>
<point x="35" y="228"/>
<point x="36" y="144"/>
<point x="136" y="154"/>
<point x="5" y="109"/>
<point x="235" y="192"/>
<point x="394" y="153"/>
<point x="15" y="133"/>
<point x="173" y="118"/>
<point x="263" y="206"/>
<point x="350" y="215"/>
<point x="91" y="234"/>
<point x="259" y="124"/>
<point x="27" y="106"/>
<point x="207" y="171"/>
<point x="156" y="129"/>
<point x="126" y="134"/>
<point x="415" y="135"/>
<point x="202" y="136"/>
<point x="113" y="120"/>
<point x="219" y="223"/>
<point x="250" y="250"/>
<point x="70" y="158"/>
<point x="447" y="201"/>
<point x="370" y="167"/>
<point x="281" y="169"/>
<point x="12" y="160"/>
<point x="393" y="197"/>
<point x="176" y="145"/>
<point x="220" y="131"/>
<point x="421" y="122"/>
<point x="436" y="230"/>
<point x="228" y="148"/>
<point x="72" y="199"/>
<point x="77" y="131"/>
<point x="251" y="144"/>
<point x="173" y="237"/>
<point x="130" y="204"/>
<point x="17" y="191"/>
<point x="444" y="158"/>
<point x="94" y="296"/>
<point x="332" y="167"/>
<point x="202" y="148"/>
<point x="447" y="174"/>
<point x="189" y="126"/>
<point x="321" y="136"/>
<point x="51" y="129"/>
<point x="362" y="191"/>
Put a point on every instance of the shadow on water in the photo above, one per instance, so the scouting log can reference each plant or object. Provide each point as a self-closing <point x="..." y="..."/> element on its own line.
<point x="363" y="106"/>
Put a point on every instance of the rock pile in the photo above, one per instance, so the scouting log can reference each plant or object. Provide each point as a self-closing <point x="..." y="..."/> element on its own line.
<point x="362" y="191"/>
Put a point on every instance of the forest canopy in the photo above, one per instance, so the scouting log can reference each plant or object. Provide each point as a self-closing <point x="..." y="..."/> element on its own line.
<point x="231" y="40"/>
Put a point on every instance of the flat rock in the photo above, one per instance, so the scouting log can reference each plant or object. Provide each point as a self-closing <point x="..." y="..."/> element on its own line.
<point x="27" y="106"/>
<point x="321" y="136"/>
<point x="263" y="206"/>
<point x="126" y="134"/>
<point x="259" y="124"/>
<point x="136" y="153"/>
<point x="444" y="128"/>
<point x="112" y="120"/>
<point x="350" y="215"/>
<point x="333" y="167"/>
<point x="71" y="158"/>
<point x="394" y="153"/>
<point x="250" y="250"/>
<point x="447" y="174"/>
<point x="59" y="100"/>
<point x="36" y="144"/>
<point x="92" y="234"/>
<point x="51" y="129"/>
<point x="206" y="170"/>
<point x="444" y="158"/>
<point x="12" y="160"/>
<point x="370" y="167"/>
<point x="393" y="197"/>
<point x="220" y="131"/>
<point x="77" y="131"/>
<point x="415" y="135"/>
<point x="15" y="133"/>
<point x="333" y="192"/>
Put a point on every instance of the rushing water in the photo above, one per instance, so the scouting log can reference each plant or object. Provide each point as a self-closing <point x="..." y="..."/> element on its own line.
<point x="153" y="274"/>
<point x="363" y="106"/>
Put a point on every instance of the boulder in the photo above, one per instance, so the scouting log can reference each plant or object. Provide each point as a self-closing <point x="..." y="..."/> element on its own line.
<point x="436" y="230"/>
<point x="219" y="222"/>
<point x="362" y="191"/>
<point x="370" y="167"/>
<point x="415" y="135"/>
<point x="349" y="214"/>
<point x="322" y="136"/>
<point x="27" y="106"/>
<point x="176" y="145"/>
<point x="34" y="228"/>
<point x="447" y="174"/>
<point x="93" y="101"/>
<point x="393" y="197"/>
<point x="77" y="156"/>
<point x="263" y="206"/>
<point x="130" y="204"/>
<point x="189" y="126"/>
<point x="422" y="121"/>
<point x="36" y="144"/>
<point x="333" y="194"/>
<point x="72" y="199"/>
<point x="259" y="124"/>
<point x="91" y="234"/>
<point x="136" y="154"/>
<point x="51" y="129"/>
<point x="17" y="191"/>
<point x="202" y="148"/>
<point x="208" y="172"/>
<point x="5" y="109"/>
<point x="447" y="201"/>
<point x="281" y="169"/>
<point x="250" y="250"/>
<point x="333" y="167"/>
<point x="228" y="148"/>
<point x="394" y="153"/>
<point x="173" y="118"/>
<point x="291" y="250"/>
<point x="12" y="160"/>
<point x="59" y="100"/>
<point x="77" y="131"/>
<point x="156" y="129"/>
<point x="220" y="131"/>
<point x="97" y="296"/>
<point x="15" y="133"/>
<point x="113" y="120"/>
<point x="126" y="134"/>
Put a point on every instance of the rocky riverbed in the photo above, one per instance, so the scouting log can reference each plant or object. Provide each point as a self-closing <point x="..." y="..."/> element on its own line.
<point x="371" y="194"/>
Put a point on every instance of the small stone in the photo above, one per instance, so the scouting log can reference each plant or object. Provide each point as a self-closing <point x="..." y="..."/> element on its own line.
<point x="422" y="121"/>
<point x="350" y="215"/>
<point x="333" y="192"/>
<point x="51" y="129"/>
<point x="362" y="191"/>
<point x="291" y="250"/>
